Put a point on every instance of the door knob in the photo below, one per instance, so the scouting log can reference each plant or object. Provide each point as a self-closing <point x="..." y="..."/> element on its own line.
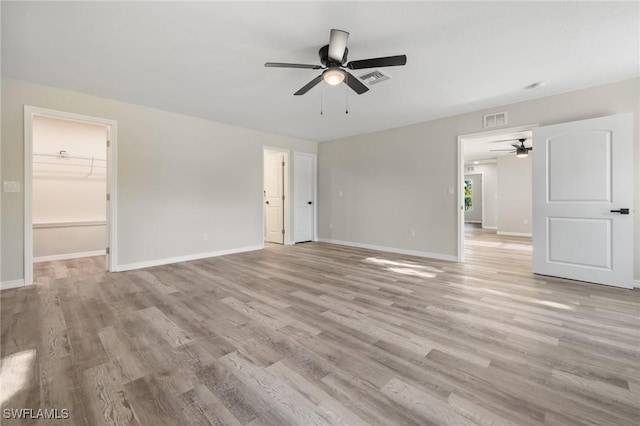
<point x="266" y="202"/>
<point x="621" y="211"/>
<point x="310" y="202"/>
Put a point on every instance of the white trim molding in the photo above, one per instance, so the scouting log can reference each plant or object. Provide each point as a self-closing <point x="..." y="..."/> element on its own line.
<point x="636" y="284"/>
<point x="68" y="256"/>
<point x="187" y="258"/>
<point x="489" y="227"/>
<point x="418" y="253"/>
<point x="514" y="234"/>
<point x="6" y="285"/>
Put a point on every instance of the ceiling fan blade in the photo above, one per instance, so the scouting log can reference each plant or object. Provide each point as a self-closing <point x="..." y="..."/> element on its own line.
<point x="309" y="85"/>
<point x="353" y="82"/>
<point x="387" y="61"/>
<point x="516" y="145"/>
<point x="285" y="65"/>
<point x="510" y="150"/>
<point x="337" y="45"/>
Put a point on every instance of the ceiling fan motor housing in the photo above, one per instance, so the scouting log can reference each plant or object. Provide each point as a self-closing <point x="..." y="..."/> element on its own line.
<point x="333" y="57"/>
<point x="324" y="57"/>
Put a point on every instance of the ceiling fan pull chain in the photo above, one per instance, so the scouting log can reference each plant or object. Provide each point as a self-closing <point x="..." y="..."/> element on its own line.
<point x="321" y="92"/>
<point x="346" y="92"/>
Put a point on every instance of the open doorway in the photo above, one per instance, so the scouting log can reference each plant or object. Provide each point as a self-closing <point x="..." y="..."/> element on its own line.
<point x="496" y="193"/>
<point x="289" y="196"/>
<point x="275" y="196"/>
<point x="69" y="197"/>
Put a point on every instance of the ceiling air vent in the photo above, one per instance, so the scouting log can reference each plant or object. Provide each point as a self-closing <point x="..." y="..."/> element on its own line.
<point x="494" y="120"/>
<point x="374" y="77"/>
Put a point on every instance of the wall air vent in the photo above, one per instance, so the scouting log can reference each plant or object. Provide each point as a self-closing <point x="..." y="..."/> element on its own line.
<point x="374" y="77"/>
<point x="469" y="169"/>
<point x="494" y="120"/>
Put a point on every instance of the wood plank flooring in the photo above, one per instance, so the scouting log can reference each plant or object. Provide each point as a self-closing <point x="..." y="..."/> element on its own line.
<point x="323" y="334"/>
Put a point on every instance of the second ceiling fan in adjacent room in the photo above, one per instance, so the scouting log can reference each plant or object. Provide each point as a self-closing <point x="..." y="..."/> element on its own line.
<point x="520" y="150"/>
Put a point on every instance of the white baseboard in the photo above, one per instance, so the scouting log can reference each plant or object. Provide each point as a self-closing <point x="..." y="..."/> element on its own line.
<point x="636" y="283"/>
<point x="514" y="234"/>
<point x="68" y="256"/>
<point x="169" y="260"/>
<point x="472" y="221"/>
<point x="6" y="285"/>
<point x="418" y="253"/>
<point x="489" y="227"/>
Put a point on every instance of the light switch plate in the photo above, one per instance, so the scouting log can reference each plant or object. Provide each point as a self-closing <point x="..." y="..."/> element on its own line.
<point x="450" y="190"/>
<point x="11" y="186"/>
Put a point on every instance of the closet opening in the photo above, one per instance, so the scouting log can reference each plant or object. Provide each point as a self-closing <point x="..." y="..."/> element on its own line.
<point x="276" y="199"/>
<point x="68" y="197"/>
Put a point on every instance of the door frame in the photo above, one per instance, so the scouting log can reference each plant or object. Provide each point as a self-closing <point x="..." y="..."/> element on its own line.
<point x="460" y="190"/>
<point x="288" y="198"/>
<point x="314" y="161"/>
<point x="112" y="132"/>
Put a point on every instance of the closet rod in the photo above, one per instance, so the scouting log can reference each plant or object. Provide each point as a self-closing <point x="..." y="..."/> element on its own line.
<point x="68" y="156"/>
<point x="71" y="164"/>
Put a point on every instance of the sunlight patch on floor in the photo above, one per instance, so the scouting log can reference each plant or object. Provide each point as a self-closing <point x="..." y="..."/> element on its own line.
<point x="413" y="272"/>
<point x="523" y="247"/>
<point x="555" y="304"/>
<point x="406" y="268"/>
<point x="15" y="373"/>
<point x="483" y="243"/>
<point x="391" y="262"/>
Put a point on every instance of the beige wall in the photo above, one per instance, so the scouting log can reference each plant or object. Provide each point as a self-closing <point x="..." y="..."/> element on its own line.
<point x="396" y="180"/>
<point x="178" y="177"/>
<point x="514" y="195"/>
<point x="490" y="191"/>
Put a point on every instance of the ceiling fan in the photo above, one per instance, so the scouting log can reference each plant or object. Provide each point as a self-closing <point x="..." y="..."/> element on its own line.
<point x="520" y="150"/>
<point x="333" y="57"/>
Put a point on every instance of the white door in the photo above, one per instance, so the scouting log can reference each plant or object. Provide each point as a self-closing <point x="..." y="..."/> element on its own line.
<point x="274" y="198"/>
<point x="304" y="197"/>
<point x="582" y="200"/>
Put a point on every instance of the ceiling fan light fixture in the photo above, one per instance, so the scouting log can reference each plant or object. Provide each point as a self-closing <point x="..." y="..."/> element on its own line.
<point x="522" y="152"/>
<point x="333" y="76"/>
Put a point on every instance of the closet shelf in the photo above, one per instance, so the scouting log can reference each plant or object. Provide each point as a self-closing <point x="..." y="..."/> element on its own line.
<point x="92" y="162"/>
<point x="47" y="225"/>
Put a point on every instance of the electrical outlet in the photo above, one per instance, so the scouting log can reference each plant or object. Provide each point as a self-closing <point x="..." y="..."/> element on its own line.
<point x="205" y="237"/>
<point x="340" y="193"/>
<point x="412" y="232"/>
<point x="11" y="186"/>
<point x="526" y="221"/>
<point x="331" y="226"/>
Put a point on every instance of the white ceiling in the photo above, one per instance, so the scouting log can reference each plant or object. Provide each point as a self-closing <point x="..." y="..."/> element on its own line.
<point x="206" y="58"/>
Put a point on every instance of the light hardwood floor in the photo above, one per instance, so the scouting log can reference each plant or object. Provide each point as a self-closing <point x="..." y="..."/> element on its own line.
<point x="323" y="334"/>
